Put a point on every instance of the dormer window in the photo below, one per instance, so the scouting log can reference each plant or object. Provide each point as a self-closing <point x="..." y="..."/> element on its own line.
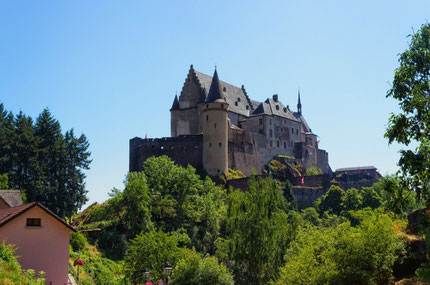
<point x="247" y="107"/>
<point x="235" y="103"/>
<point x="285" y="110"/>
<point x="223" y="89"/>
<point x="238" y="99"/>
<point x="277" y="107"/>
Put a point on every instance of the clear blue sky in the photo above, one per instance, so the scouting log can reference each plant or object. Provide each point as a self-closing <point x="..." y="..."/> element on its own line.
<point x="110" y="69"/>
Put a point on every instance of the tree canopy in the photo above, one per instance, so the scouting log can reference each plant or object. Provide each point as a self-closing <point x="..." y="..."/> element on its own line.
<point x="411" y="88"/>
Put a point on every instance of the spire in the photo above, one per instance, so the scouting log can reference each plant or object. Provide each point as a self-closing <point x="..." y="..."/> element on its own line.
<point x="175" y="105"/>
<point x="203" y="95"/>
<point x="215" y="92"/>
<point x="299" y="105"/>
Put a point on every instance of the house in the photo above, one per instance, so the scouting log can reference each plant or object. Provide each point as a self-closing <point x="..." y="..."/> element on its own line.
<point x="41" y="239"/>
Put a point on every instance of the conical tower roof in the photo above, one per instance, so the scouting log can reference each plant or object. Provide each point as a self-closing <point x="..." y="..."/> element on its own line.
<point x="175" y="105"/>
<point x="203" y="95"/>
<point x="215" y="92"/>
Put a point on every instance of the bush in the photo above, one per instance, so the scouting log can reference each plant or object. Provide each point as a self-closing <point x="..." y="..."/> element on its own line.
<point x="195" y="270"/>
<point x="78" y="241"/>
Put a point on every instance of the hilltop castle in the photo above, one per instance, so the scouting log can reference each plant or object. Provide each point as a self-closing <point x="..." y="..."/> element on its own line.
<point x="216" y="126"/>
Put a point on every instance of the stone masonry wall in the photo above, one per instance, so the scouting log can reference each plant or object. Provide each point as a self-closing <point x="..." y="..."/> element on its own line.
<point x="183" y="150"/>
<point x="242" y="152"/>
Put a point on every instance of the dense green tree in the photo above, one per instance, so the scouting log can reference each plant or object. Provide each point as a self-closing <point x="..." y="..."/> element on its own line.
<point x="396" y="196"/>
<point x="151" y="250"/>
<point x="343" y="254"/>
<point x="260" y="228"/>
<point x="42" y="163"/>
<point x="332" y="200"/>
<point x="311" y="215"/>
<point x="136" y="201"/>
<point x="194" y="270"/>
<point x="352" y="200"/>
<point x="411" y="87"/>
<point x="370" y="198"/>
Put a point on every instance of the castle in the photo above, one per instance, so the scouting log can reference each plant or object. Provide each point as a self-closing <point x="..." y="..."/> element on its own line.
<point x="216" y="126"/>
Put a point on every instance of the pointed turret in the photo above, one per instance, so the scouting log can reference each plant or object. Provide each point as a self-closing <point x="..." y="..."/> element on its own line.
<point x="175" y="105"/>
<point x="203" y="95"/>
<point x="215" y="92"/>
<point x="299" y="105"/>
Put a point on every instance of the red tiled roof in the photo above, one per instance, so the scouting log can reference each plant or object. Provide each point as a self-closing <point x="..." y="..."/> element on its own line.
<point x="7" y="215"/>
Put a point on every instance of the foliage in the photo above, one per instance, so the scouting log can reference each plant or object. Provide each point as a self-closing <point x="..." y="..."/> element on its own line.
<point x="233" y="174"/>
<point x="276" y="168"/>
<point x="313" y="171"/>
<point x="39" y="159"/>
<point x="4" y="181"/>
<point x="194" y="270"/>
<point x="411" y="87"/>
<point x="370" y="198"/>
<point x="352" y="200"/>
<point x="332" y="200"/>
<point x="311" y="215"/>
<point x="338" y="255"/>
<point x="151" y="250"/>
<point x="11" y="272"/>
<point x="259" y="230"/>
<point x="96" y="269"/>
<point x="77" y="241"/>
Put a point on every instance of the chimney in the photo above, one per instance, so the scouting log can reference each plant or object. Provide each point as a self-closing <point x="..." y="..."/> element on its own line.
<point x="275" y="97"/>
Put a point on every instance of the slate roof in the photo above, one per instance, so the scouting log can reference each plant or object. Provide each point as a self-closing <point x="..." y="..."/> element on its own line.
<point x="371" y="167"/>
<point x="11" y="197"/>
<point x="175" y="105"/>
<point x="305" y="126"/>
<point x="215" y="92"/>
<point x="7" y="215"/>
<point x="233" y="95"/>
<point x="280" y="110"/>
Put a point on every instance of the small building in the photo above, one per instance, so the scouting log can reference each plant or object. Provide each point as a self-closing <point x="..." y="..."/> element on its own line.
<point x="370" y="171"/>
<point x="41" y="239"/>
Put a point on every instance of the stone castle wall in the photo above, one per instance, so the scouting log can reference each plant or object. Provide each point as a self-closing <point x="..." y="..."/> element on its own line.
<point x="183" y="150"/>
<point x="242" y="152"/>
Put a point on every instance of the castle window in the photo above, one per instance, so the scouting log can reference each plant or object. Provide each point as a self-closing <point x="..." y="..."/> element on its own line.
<point x="297" y="131"/>
<point x="219" y="144"/>
<point x="292" y="131"/>
<point x="210" y="144"/>
<point x="285" y="144"/>
<point x="207" y="117"/>
<point x="222" y="106"/>
<point x="277" y="107"/>
<point x="238" y="99"/>
<point x="260" y="131"/>
<point x="260" y="121"/>
<point x="277" y="143"/>
<point x="207" y="106"/>
<point x="215" y="125"/>
<point x="270" y="143"/>
<point x="285" y="110"/>
<point x="235" y="103"/>
<point x="271" y="133"/>
<point x="247" y="107"/>
<point x="223" y="89"/>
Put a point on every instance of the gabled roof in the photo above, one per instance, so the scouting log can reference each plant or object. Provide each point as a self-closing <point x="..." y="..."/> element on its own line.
<point x="263" y="108"/>
<point x="280" y="110"/>
<point x="233" y="95"/>
<point x="11" y="197"/>
<point x="7" y="215"/>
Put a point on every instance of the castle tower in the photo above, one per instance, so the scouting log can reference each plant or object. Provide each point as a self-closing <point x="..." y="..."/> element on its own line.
<point x="215" y="130"/>
<point x="299" y="105"/>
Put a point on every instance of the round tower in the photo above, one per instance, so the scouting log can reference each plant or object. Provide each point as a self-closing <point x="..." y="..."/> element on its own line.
<point x="215" y="130"/>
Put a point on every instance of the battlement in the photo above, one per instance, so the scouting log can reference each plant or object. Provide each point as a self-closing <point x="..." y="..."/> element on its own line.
<point x="183" y="150"/>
